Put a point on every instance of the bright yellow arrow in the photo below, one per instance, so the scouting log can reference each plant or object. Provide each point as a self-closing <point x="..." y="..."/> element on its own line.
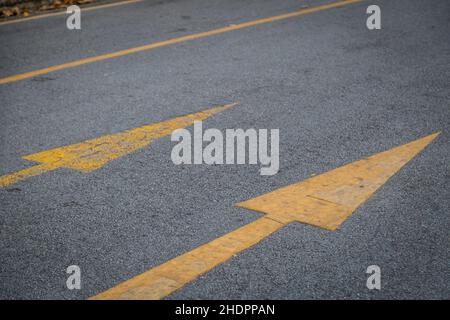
<point x="93" y="154"/>
<point x="324" y="201"/>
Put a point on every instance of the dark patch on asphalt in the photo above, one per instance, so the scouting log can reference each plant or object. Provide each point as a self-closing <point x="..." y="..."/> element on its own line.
<point x="71" y="204"/>
<point x="178" y="30"/>
<point x="43" y="79"/>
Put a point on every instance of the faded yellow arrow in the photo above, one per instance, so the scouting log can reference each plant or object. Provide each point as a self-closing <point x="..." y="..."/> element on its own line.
<point x="324" y="201"/>
<point x="93" y="154"/>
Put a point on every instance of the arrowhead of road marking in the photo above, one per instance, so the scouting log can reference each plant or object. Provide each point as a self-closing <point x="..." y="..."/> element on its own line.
<point x="95" y="153"/>
<point x="327" y="200"/>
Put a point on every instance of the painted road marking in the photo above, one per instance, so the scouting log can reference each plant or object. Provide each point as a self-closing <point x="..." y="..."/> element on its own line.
<point x="95" y="153"/>
<point x="324" y="201"/>
<point x="161" y="281"/>
<point x="60" y="13"/>
<point x="154" y="45"/>
<point x="327" y="200"/>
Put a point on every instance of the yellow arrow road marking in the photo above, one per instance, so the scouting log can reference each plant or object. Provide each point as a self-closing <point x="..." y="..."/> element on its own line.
<point x="154" y="45"/>
<point x="329" y="199"/>
<point x="93" y="154"/>
<point x="324" y="201"/>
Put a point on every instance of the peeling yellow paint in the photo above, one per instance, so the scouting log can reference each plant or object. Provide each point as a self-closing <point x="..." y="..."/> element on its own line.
<point x="95" y="153"/>
<point x="324" y="201"/>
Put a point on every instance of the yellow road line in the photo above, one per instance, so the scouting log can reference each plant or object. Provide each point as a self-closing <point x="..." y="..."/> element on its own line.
<point x="154" y="45"/>
<point x="95" y="153"/>
<point x="324" y="201"/>
<point x="59" y="13"/>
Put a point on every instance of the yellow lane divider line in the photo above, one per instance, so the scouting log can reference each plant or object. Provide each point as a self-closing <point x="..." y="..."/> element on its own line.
<point x="95" y="153"/>
<point x="324" y="201"/>
<point x="59" y="13"/>
<point x="154" y="45"/>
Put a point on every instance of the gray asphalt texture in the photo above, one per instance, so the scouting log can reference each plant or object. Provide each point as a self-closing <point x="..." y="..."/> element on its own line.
<point x="337" y="91"/>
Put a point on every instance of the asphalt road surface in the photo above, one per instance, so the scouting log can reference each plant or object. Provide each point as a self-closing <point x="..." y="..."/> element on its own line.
<point x="337" y="92"/>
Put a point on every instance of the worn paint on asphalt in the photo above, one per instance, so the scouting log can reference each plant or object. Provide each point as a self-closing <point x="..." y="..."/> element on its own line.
<point x="325" y="201"/>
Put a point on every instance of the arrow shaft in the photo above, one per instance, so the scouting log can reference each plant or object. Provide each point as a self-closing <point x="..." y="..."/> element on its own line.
<point x="164" y="279"/>
<point x="26" y="173"/>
